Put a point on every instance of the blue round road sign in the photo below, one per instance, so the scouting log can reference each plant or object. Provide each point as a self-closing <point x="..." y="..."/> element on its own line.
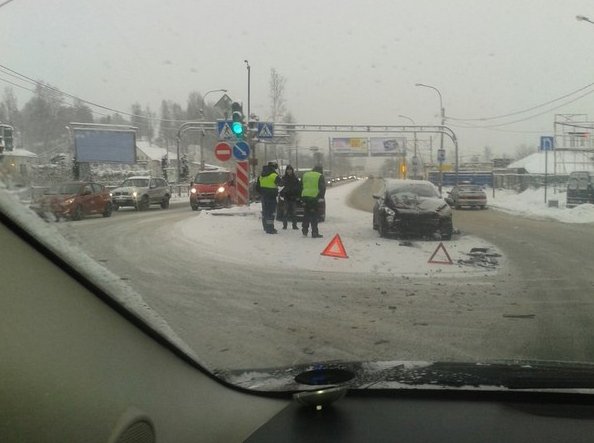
<point x="241" y="150"/>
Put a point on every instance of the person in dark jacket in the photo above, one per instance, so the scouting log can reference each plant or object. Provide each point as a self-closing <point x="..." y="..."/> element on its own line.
<point x="289" y="194"/>
<point x="267" y="186"/>
<point x="314" y="190"/>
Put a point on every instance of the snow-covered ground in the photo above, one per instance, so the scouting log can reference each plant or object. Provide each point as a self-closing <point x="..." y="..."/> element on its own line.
<point x="239" y="238"/>
<point x="531" y="204"/>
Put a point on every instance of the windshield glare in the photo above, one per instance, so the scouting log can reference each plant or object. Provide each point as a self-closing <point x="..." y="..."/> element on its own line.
<point x="393" y="100"/>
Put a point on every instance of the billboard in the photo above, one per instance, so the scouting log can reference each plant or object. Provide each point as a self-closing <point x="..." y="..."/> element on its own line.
<point x="104" y="146"/>
<point x="350" y="147"/>
<point x="388" y="146"/>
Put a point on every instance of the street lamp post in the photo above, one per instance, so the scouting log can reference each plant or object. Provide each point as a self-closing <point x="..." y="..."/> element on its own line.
<point x="415" y="160"/>
<point x="203" y="133"/>
<point x="442" y="113"/>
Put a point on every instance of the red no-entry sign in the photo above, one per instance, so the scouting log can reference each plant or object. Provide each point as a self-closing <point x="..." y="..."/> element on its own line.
<point x="223" y="151"/>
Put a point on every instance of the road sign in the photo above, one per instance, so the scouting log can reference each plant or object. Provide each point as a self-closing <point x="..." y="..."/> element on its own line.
<point x="441" y="155"/>
<point x="547" y="143"/>
<point x="223" y="151"/>
<point x="265" y="130"/>
<point x="224" y="129"/>
<point x="241" y="150"/>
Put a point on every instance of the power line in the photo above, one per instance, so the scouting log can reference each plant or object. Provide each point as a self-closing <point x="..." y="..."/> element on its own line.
<point x="57" y="91"/>
<point x="534" y="115"/>
<point x="496" y="117"/>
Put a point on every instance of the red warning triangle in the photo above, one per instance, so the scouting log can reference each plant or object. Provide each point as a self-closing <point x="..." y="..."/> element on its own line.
<point x="335" y="248"/>
<point x="441" y="262"/>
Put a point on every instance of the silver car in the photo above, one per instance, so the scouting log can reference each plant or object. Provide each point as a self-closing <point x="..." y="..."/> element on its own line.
<point x="467" y="195"/>
<point x="141" y="192"/>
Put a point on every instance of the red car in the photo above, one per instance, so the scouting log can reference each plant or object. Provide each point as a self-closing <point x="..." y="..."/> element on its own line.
<point x="213" y="189"/>
<point x="74" y="200"/>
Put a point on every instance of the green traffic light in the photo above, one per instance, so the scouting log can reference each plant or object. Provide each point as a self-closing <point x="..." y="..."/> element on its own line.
<point x="237" y="128"/>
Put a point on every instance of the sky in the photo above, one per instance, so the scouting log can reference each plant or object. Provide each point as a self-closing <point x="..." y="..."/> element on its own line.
<point x="344" y="63"/>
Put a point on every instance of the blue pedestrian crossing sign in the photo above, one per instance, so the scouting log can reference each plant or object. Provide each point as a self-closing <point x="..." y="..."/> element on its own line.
<point x="265" y="130"/>
<point x="241" y="150"/>
<point x="224" y="129"/>
<point x="547" y="143"/>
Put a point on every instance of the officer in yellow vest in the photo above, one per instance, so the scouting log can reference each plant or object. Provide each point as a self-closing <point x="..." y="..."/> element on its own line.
<point x="267" y="185"/>
<point x="314" y="190"/>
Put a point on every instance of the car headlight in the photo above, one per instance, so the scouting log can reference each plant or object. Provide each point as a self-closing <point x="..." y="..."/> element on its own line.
<point x="389" y="212"/>
<point x="69" y="201"/>
<point x="193" y="190"/>
<point x="134" y="194"/>
<point x="110" y="194"/>
<point x="221" y="189"/>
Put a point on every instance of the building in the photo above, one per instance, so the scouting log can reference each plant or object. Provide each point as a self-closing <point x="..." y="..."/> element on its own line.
<point x="18" y="165"/>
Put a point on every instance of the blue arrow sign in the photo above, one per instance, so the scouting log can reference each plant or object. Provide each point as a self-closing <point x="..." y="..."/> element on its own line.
<point x="241" y="150"/>
<point x="265" y="130"/>
<point x="547" y="143"/>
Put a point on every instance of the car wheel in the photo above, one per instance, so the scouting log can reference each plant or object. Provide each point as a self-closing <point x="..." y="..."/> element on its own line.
<point x="108" y="209"/>
<point x="115" y="206"/>
<point x="144" y="203"/>
<point x="194" y="207"/>
<point x="446" y="230"/>
<point x="457" y="207"/>
<point x="228" y="202"/>
<point x="381" y="228"/>
<point x="483" y="207"/>
<point x="165" y="202"/>
<point x="78" y="213"/>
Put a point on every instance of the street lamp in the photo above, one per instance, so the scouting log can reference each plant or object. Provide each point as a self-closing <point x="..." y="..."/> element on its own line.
<point x="203" y="133"/>
<point x="442" y="113"/>
<point x="415" y="160"/>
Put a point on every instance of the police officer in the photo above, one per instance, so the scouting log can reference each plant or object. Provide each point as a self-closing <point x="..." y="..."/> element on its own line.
<point x="267" y="185"/>
<point x="314" y="190"/>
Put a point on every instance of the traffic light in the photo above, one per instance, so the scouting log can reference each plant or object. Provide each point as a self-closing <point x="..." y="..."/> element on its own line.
<point x="403" y="169"/>
<point x="237" y="115"/>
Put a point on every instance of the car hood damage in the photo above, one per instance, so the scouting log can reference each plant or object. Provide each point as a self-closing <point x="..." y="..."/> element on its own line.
<point x="416" y="204"/>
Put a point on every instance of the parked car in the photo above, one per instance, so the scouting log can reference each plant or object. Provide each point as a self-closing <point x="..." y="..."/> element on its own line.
<point x="411" y="208"/>
<point x="281" y="204"/>
<point x="213" y="189"/>
<point x="141" y="192"/>
<point x="580" y="188"/>
<point x="281" y="207"/>
<point x="467" y="195"/>
<point x="74" y="200"/>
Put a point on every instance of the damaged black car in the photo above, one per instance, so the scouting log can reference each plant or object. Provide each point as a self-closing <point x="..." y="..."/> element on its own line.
<point x="411" y="208"/>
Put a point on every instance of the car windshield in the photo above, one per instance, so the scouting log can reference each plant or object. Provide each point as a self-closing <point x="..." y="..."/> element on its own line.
<point x="407" y="98"/>
<point x="210" y="178"/>
<point x="64" y="189"/>
<point x="136" y="182"/>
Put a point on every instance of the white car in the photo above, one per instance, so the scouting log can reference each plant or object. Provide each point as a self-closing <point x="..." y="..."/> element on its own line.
<point x="141" y="192"/>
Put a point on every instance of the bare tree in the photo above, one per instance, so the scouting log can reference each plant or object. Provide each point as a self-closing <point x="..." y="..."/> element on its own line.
<point x="277" y="95"/>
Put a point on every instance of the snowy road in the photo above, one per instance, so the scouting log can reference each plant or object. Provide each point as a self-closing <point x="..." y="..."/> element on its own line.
<point x="221" y="278"/>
